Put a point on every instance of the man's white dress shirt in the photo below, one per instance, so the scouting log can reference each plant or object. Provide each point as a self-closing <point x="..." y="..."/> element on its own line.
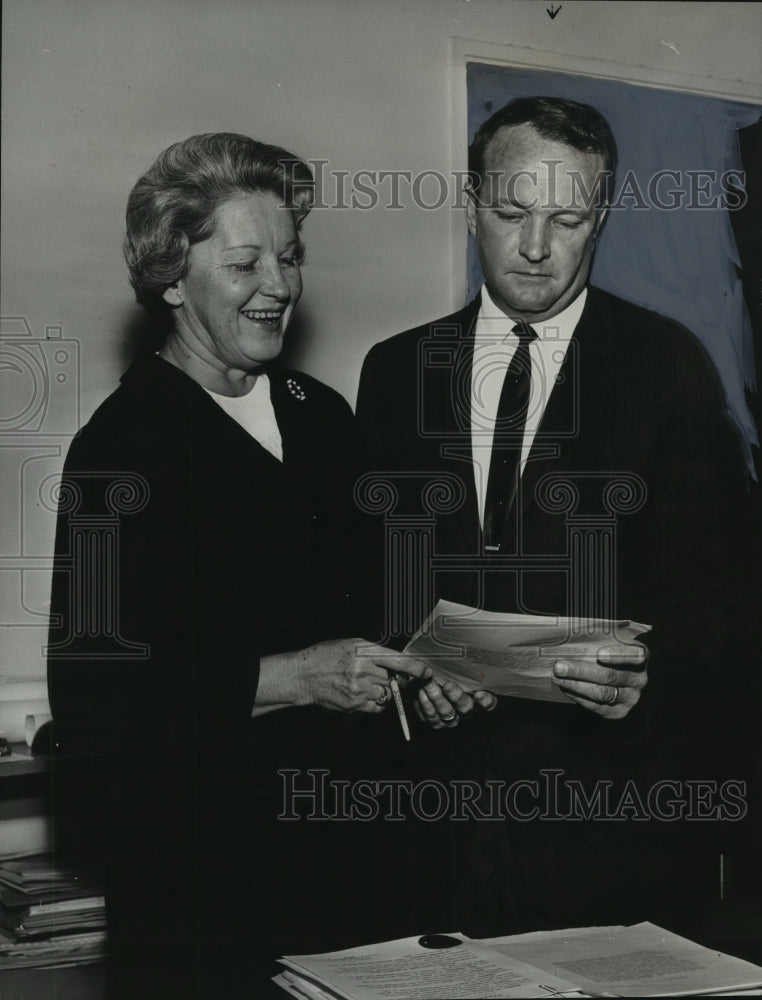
<point x="494" y="347"/>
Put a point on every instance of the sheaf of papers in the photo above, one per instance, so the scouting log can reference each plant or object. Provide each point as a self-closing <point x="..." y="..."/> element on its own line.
<point x="511" y="654"/>
<point x="404" y="970"/>
<point x="639" y="961"/>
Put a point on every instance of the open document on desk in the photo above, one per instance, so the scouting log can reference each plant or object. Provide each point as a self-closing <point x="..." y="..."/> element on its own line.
<point x="639" y="961"/>
<point x="411" y="969"/>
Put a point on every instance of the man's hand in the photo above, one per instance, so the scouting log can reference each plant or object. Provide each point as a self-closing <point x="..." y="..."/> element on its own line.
<point x="607" y="687"/>
<point x="443" y="706"/>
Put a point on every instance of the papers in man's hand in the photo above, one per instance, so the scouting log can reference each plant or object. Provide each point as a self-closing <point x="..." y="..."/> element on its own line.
<point x="405" y="970"/>
<point x="637" y="961"/>
<point x="511" y="654"/>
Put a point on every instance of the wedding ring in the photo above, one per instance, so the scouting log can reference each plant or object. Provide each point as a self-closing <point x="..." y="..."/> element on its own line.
<point x="448" y="718"/>
<point x="384" y="696"/>
<point x="615" y="699"/>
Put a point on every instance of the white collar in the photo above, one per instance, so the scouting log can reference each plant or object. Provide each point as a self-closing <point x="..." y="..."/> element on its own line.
<point x="558" y="327"/>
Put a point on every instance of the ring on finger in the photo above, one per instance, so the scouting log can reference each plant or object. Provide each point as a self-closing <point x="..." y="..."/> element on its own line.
<point x="615" y="699"/>
<point x="384" y="696"/>
<point x="448" y="718"/>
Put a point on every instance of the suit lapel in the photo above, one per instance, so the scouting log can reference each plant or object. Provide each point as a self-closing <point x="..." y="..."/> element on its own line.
<point x="285" y="401"/>
<point x="454" y="449"/>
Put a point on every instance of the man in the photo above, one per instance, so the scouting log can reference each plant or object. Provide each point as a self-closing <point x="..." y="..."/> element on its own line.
<point x="594" y="475"/>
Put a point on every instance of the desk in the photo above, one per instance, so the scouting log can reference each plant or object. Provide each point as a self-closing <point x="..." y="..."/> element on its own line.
<point x="23" y="768"/>
<point x="733" y="926"/>
<point x="25" y="803"/>
<point x="24" y="792"/>
<point x="23" y="777"/>
<point x="89" y="982"/>
<point x="85" y="983"/>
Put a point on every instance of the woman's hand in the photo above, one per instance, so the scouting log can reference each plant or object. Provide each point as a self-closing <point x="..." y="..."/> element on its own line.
<point x="343" y="675"/>
<point x="352" y="675"/>
<point x="443" y="706"/>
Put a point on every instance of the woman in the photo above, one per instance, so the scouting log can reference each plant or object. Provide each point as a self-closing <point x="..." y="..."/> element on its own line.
<point x="207" y="552"/>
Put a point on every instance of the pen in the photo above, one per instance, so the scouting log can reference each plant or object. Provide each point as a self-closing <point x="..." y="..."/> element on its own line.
<point x="394" y="685"/>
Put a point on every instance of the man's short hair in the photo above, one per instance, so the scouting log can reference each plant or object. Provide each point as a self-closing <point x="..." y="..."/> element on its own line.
<point x="580" y="126"/>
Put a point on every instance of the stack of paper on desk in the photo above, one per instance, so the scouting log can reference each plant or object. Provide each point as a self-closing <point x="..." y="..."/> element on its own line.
<point x="511" y="654"/>
<point x="405" y="969"/>
<point x="54" y="952"/>
<point x="50" y="914"/>
<point x="639" y="961"/>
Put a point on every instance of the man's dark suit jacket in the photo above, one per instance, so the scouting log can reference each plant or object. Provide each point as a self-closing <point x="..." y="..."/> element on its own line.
<point x="635" y="429"/>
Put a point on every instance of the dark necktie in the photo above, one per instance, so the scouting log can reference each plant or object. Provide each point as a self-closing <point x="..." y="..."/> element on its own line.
<point x="510" y="421"/>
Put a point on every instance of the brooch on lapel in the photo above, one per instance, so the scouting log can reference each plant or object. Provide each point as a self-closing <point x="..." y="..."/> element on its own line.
<point x="296" y="390"/>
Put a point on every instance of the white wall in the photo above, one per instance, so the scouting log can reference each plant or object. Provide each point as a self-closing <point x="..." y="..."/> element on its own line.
<point x="94" y="89"/>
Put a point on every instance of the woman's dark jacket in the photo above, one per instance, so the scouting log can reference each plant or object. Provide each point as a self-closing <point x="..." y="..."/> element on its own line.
<point x="184" y="553"/>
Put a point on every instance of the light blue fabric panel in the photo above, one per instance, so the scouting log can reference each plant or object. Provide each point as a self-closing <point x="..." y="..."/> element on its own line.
<point x="679" y="262"/>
